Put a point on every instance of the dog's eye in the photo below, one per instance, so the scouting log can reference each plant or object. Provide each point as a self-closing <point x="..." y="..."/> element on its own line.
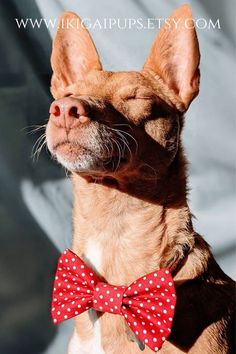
<point x="128" y="93"/>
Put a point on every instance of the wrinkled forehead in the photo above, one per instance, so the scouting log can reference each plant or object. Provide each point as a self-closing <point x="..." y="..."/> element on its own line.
<point x="105" y="83"/>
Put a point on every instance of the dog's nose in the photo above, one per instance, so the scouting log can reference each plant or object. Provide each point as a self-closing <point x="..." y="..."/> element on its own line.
<point x="66" y="111"/>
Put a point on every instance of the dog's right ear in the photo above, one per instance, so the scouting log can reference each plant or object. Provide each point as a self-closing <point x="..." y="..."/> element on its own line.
<point x="73" y="54"/>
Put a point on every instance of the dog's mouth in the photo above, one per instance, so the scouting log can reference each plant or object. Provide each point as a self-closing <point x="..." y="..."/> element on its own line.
<point x="78" y="158"/>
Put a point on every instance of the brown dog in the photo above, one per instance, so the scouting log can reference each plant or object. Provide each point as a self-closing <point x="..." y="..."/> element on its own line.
<point x="119" y="135"/>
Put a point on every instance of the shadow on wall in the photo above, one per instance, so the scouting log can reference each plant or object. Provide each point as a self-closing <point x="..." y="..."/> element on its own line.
<point x="27" y="257"/>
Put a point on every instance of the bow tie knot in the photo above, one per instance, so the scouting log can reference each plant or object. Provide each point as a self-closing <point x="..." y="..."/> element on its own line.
<point x="108" y="298"/>
<point x="147" y="304"/>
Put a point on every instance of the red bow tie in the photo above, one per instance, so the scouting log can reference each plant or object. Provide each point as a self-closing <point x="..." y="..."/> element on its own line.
<point x="148" y="304"/>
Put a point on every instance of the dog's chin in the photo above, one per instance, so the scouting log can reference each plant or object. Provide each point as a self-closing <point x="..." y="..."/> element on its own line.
<point x="81" y="160"/>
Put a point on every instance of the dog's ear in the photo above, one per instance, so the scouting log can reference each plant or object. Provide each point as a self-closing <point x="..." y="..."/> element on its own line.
<point x="175" y="55"/>
<point x="73" y="54"/>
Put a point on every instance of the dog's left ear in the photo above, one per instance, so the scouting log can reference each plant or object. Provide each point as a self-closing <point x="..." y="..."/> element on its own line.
<point x="175" y="55"/>
<point x="74" y="54"/>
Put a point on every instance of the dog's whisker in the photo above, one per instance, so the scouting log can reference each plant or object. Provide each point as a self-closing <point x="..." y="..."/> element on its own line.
<point x="124" y="132"/>
<point x="38" y="146"/>
<point x="35" y="128"/>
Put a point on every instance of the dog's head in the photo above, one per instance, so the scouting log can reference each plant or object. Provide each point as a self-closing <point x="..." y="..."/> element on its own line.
<point x="107" y="124"/>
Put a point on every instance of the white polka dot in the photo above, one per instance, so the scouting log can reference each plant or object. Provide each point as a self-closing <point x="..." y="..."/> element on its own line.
<point x="65" y="317"/>
<point x="136" y="332"/>
<point x="108" y="291"/>
<point x="144" y="331"/>
<point x="130" y="302"/>
<point x="155" y="274"/>
<point x="150" y="281"/>
<point x="58" y="312"/>
<point x="82" y="266"/>
<point x="160" y="304"/>
<point x="167" y="272"/>
<point x="140" y="285"/>
<point x="154" y="339"/>
<point x="100" y="307"/>
<point x="165" y="311"/>
<point x="170" y="283"/>
<point x="159" y="323"/>
<point x="170" y="319"/>
<point x="135" y="323"/>
<point x="83" y="274"/>
<point x="101" y="296"/>
<point x="146" y="289"/>
<point x="146" y="340"/>
<point x="55" y="320"/>
<point x="156" y="349"/>
<point x="69" y="310"/>
<point x="153" y="307"/>
<point x="141" y="305"/>
<point x="153" y="331"/>
<point x="172" y="307"/>
<point x="162" y="279"/>
<point x="163" y="338"/>
<point x="74" y="267"/>
<point x="118" y="295"/>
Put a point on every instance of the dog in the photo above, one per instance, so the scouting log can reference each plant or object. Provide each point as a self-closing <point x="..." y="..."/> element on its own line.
<point x="119" y="134"/>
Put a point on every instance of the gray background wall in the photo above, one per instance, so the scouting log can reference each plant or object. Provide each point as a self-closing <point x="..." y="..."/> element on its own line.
<point x="35" y="198"/>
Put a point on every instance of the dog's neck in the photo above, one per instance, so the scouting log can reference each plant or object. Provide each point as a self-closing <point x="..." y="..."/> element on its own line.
<point x="130" y="235"/>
